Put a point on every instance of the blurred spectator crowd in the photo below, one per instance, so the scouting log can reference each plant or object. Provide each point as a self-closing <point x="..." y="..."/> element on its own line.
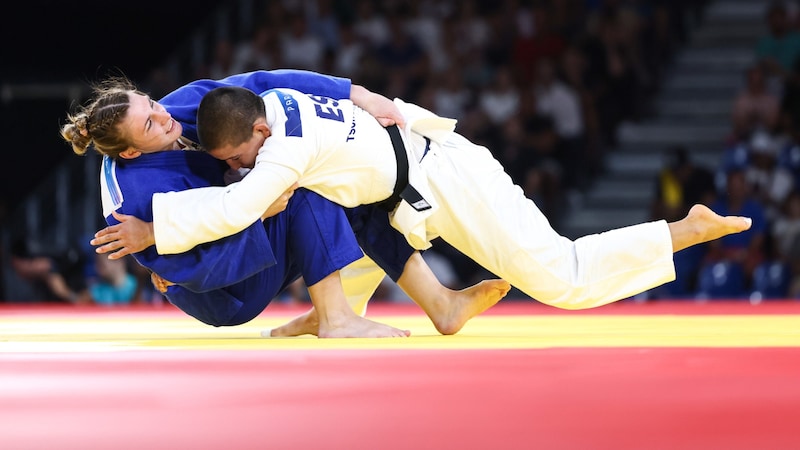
<point x="545" y="85"/>
<point x="78" y="276"/>
<point x="758" y="176"/>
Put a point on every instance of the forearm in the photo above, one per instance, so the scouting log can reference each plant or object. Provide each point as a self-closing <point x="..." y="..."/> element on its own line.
<point x="380" y="107"/>
<point x="183" y="220"/>
<point x="366" y="99"/>
<point x="359" y="95"/>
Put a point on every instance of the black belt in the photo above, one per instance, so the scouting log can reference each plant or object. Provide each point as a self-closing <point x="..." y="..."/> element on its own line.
<point x="401" y="157"/>
<point x="402" y="190"/>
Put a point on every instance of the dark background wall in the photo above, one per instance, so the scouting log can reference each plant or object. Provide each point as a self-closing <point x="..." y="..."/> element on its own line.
<point x="74" y="42"/>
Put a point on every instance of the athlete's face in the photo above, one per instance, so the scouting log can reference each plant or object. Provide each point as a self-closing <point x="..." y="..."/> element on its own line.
<point x="150" y="127"/>
<point x="243" y="155"/>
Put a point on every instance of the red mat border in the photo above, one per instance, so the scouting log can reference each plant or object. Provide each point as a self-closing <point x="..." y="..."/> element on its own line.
<point x="562" y="398"/>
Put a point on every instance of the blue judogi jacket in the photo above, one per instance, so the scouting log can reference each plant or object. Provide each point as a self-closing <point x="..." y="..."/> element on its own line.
<point x="205" y="267"/>
<point x="231" y="280"/>
<point x="183" y="102"/>
<point x="208" y="274"/>
<point x="214" y="280"/>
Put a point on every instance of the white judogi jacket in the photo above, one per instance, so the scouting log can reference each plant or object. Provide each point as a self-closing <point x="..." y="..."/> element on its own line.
<point x="328" y="146"/>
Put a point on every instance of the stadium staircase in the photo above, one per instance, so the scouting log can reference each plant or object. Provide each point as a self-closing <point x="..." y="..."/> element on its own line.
<point x="692" y="109"/>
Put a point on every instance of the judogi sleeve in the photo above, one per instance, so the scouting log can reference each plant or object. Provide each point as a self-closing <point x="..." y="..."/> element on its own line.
<point x="183" y="102"/>
<point x="206" y="267"/>
<point x="179" y="225"/>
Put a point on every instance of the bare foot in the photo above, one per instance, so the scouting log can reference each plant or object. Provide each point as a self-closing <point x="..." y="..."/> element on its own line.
<point x="703" y="225"/>
<point x="306" y="323"/>
<point x="351" y="327"/>
<point x="460" y="306"/>
<point x="358" y="327"/>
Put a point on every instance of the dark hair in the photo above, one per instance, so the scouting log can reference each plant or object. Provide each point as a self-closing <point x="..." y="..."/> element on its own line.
<point x="226" y="116"/>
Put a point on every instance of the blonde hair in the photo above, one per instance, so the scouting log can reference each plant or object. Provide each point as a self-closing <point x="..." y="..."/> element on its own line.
<point x="96" y="123"/>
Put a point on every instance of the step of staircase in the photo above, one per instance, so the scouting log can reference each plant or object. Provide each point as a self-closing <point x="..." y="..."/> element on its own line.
<point x="703" y="82"/>
<point x="627" y="192"/>
<point x="662" y="134"/>
<point x="726" y="33"/>
<point x="692" y="109"/>
<point x="589" y="221"/>
<point x="716" y="60"/>
<point x="752" y="11"/>
<point x="647" y="165"/>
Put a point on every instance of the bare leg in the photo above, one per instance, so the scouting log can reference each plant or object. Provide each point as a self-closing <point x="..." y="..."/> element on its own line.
<point x="448" y="309"/>
<point x="703" y="225"/>
<point x="337" y="319"/>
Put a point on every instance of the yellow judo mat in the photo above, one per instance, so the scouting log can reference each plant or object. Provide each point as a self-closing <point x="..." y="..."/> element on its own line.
<point x="167" y="329"/>
<point x="522" y="375"/>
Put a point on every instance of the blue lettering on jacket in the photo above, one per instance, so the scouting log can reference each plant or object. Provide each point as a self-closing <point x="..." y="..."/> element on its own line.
<point x="294" y="125"/>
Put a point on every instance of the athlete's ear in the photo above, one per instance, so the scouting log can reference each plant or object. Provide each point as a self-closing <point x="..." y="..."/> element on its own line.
<point x="262" y="128"/>
<point x="130" y="153"/>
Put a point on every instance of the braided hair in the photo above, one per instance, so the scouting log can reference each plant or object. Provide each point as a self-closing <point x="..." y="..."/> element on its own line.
<point x="96" y="123"/>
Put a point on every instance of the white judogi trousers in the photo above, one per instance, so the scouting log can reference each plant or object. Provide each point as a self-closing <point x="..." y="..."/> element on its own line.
<point x="493" y="223"/>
